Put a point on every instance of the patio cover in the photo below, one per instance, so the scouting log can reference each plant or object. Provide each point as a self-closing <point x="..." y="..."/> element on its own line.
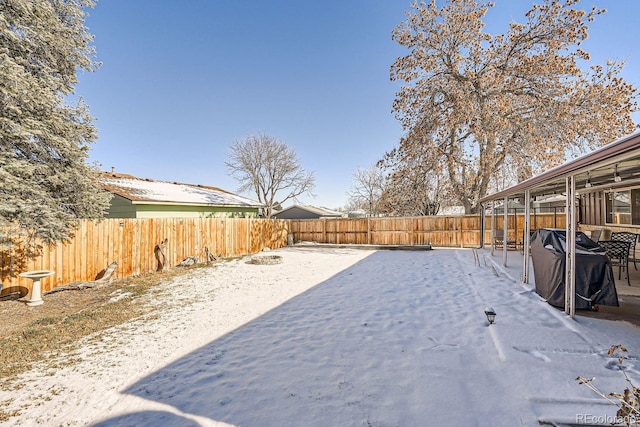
<point x="620" y="157"/>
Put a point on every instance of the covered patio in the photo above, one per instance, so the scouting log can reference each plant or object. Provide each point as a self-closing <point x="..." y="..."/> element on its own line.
<point x="628" y="296"/>
<point x="603" y="193"/>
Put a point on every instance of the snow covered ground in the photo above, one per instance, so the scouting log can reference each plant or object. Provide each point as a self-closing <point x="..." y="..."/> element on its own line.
<point x="339" y="337"/>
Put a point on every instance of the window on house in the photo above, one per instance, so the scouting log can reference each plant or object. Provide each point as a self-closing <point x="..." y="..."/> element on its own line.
<point x="623" y="207"/>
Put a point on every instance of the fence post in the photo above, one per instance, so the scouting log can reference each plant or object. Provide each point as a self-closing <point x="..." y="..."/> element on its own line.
<point x="413" y="231"/>
<point x="224" y="234"/>
<point x="324" y="231"/>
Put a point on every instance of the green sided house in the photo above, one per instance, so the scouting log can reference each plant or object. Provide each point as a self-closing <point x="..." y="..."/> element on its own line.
<point x="146" y="198"/>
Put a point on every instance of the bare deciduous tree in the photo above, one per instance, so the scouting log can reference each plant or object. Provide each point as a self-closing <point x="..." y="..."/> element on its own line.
<point x="482" y="103"/>
<point x="414" y="184"/>
<point x="366" y="189"/>
<point x="270" y="168"/>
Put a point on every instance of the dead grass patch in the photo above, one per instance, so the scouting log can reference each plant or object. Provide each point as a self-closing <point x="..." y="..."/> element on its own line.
<point x="47" y="332"/>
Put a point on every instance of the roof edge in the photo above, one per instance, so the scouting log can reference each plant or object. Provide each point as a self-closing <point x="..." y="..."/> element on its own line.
<point x="619" y="147"/>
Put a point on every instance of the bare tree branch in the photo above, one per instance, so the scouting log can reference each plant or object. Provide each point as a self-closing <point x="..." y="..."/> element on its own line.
<point x="366" y="189"/>
<point x="269" y="168"/>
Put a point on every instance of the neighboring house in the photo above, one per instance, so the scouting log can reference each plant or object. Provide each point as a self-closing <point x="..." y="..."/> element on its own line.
<point x="514" y="206"/>
<point x="146" y="198"/>
<point x="550" y="203"/>
<point x="307" y="212"/>
<point x="358" y="213"/>
<point x="451" y="211"/>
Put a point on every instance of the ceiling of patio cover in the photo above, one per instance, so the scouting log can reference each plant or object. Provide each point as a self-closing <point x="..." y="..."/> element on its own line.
<point x="594" y="275"/>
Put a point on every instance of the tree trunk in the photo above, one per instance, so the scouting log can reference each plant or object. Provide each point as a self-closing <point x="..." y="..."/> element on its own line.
<point x="158" y="250"/>
<point x="102" y="277"/>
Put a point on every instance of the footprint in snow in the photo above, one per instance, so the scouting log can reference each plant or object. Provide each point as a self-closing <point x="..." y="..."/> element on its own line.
<point x="534" y="353"/>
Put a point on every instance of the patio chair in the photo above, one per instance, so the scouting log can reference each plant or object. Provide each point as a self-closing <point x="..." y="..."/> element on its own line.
<point x="596" y="234"/>
<point x="632" y="238"/>
<point x="498" y="240"/>
<point x="618" y="253"/>
<point x="531" y="234"/>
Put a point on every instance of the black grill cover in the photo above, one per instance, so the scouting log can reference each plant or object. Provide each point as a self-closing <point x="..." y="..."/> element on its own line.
<point x="594" y="275"/>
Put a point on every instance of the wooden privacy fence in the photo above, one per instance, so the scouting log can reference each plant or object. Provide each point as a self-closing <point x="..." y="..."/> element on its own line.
<point x="131" y="243"/>
<point x="446" y="231"/>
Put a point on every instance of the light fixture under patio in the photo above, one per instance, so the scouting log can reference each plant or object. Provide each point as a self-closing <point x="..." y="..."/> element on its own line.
<point x="491" y="314"/>
<point x="587" y="184"/>
<point x="616" y="175"/>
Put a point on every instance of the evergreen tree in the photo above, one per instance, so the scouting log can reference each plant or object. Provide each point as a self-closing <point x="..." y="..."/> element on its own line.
<point x="46" y="184"/>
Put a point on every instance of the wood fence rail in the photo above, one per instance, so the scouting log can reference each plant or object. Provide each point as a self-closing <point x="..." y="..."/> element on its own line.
<point x="131" y="243"/>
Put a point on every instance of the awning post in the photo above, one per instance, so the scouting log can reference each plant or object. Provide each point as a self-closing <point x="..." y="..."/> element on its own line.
<point x="526" y="236"/>
<point x="493" y="226"/>
<point x="570" y="249"/>
<point x="483" y="215"/>
<point x="505" y="229"/>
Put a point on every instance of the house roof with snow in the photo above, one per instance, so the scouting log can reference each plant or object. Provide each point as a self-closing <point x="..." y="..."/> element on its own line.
<point x="307" y="212"/>
<point x="149" y="191"/>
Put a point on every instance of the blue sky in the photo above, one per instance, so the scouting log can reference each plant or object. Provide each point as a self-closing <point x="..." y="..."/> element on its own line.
<point x="181" y="80"/>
